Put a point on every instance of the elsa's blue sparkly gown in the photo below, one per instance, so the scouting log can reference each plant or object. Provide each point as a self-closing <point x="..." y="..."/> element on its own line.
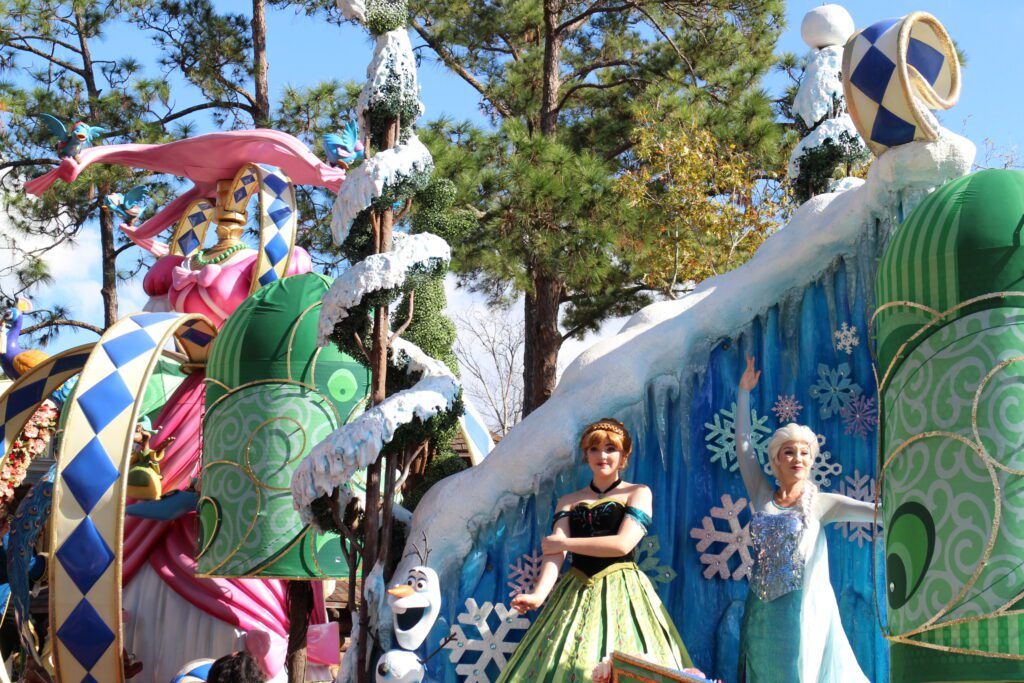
<point x="791" y="628"/>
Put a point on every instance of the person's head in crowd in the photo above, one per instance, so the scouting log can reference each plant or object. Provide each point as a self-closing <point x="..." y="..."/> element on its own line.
<point x="239" y="667"/>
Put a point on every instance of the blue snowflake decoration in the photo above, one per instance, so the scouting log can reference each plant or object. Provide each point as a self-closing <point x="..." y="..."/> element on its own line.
<point x="834" y="389"/>
<point x="720" y="438"/>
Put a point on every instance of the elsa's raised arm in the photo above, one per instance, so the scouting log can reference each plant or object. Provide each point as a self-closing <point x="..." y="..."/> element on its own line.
<point x="758" y="487"/>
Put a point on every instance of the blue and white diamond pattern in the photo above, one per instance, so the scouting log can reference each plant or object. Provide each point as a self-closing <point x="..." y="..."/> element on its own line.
<point x="88" y="493"/>
<point x="190" y="234"/>
<point x="890" y="89"/>
<point x="25" y="395"/>
<point x="278" y="225"/>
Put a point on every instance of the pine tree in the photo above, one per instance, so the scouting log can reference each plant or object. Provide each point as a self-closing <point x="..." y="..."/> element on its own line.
<point x="560" y="80"/>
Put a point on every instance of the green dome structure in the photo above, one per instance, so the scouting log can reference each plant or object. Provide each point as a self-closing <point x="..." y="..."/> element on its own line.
<point x="271" y="395"/>
<point x="949" y="326"/>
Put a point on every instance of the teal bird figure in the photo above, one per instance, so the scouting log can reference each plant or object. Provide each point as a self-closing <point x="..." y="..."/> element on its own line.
<point x="127" y="206"/>
<point x="345" y="149"/>
<point x="70" y="143"/>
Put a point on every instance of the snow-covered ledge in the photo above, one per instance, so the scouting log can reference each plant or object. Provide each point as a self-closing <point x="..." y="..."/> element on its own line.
<point x="667" y="338"/>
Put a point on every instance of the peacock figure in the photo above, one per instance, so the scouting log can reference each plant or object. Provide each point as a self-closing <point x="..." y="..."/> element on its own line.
<point x="15" y="360"/>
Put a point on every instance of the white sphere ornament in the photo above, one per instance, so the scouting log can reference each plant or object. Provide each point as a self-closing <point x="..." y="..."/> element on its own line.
<point x="827" y="25"/>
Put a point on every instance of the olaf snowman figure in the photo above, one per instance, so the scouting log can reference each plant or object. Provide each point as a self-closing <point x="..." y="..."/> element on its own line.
<point x="415" y="604"/>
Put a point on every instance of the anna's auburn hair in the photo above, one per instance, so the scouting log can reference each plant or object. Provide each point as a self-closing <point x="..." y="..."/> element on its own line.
<point x="607" y="429"/>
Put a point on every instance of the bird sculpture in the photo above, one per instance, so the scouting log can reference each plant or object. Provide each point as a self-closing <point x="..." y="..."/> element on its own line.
<point x="70" y="143"/>
<point x="127" y="206"/>
<point x="345" y="149"/>
<point x="16" y="361"/>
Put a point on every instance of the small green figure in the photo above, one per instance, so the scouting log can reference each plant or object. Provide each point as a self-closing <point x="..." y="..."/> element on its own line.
<point x="144" y="479"/>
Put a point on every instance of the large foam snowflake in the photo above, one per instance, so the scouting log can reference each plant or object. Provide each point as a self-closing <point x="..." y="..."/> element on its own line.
<point x="860" y="487"/>
<point x="720" y="438"/>
<point x="834" y="389"/>
<point x="823" y="468"/>
<point x="649" y="562"/>
<point x="735" y="540"/>
<point x="787" y="408"/>
<point x="846" y="338"/>
<point x="524" y="573"/>
<point x="493" y="646"/>
<point x="860" y="416"/>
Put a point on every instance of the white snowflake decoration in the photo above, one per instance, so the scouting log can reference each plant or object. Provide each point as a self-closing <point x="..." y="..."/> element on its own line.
<point x="720" y="438"/>
<point x="834" y="389"/>
<point x="649" y="562"/>
<point x="524" y="573"/>
<point x="823" y="468"/>
<point x="736" y="539"/>
<point x="859" y="487"/>
<point x="787" y="408"/>
<point x="493" y="647"/>
<point x="846" y="338"/>
<point x="860" y="416"/>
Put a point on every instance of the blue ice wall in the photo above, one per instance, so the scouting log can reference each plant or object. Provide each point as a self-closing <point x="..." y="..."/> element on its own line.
<point x="795" y="346"/>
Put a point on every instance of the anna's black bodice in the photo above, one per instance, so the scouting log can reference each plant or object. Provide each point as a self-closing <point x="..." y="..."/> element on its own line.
<point x="600" y="519"/>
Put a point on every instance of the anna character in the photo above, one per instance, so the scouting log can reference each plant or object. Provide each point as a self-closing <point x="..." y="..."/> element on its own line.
<point x="791" y="628"/>
<point x="604" y="603"/>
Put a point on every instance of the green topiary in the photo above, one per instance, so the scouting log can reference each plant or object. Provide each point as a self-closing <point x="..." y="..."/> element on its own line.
<point x="385" y="15"/>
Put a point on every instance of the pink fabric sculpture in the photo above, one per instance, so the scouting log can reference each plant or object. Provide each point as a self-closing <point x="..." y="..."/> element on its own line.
<point x="204" y="160"/>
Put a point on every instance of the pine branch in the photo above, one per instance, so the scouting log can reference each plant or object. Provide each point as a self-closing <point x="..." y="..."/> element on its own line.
<point x="580" y="74"/>
<point x="599" y="86"/>
<point x="572" y="25"/>
<point x="449" y="59"/>
<point x="55" y="41"/>
<point x="25" y="47"/>
<point x="57" y="322"/>
<point x="216" y="104"/>
<point x="28" y="162"/>
<point x="679" y="53"/>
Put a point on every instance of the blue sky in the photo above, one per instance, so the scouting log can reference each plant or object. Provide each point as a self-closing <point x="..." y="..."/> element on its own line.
<point x="303" y="51"/>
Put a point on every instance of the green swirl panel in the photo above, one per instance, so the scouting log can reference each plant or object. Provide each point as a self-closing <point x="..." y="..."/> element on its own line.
<point x="950" y="344"/>
<point x="272" y="395"/>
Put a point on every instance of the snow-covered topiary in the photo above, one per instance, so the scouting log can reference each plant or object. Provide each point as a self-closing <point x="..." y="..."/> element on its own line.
<point x="391" y="89"/>
<point x="830" y="139"/>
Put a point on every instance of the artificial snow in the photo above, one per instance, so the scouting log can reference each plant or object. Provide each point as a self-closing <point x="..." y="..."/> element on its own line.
<point x="367" y="181"/>
<point x="378" y="272"/>
<point x="353" y="10"/>
<point x="827" y="25"/>
<point x="333" y="462"/>
<point x="392" y="68"/>
<point x="821" y="84"/>
<point x="670" y="340"/>
<point x="829" y="129"/>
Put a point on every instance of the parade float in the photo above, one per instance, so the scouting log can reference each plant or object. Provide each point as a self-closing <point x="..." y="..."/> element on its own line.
<point x="884" y="314"/>
<point x="833" y="286"/>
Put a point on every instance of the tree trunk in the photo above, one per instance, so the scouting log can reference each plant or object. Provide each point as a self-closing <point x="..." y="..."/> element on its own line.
<point x="543" y="338"/>
<point x="108" y="286"/>
<point x="552" y="62"/>
<point x="108" y="255"/>
<point x="261" y="115"/>
<point x="300" y="605"/>
<point x="372" y="523"/>
<point x="543" y="341"/>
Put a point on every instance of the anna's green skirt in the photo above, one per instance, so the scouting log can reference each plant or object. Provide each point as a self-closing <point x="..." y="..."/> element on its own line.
<point x="586" y="619"/>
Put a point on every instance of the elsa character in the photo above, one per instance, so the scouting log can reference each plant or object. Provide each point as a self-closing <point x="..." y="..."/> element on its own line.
<point x="791" y="628"/>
